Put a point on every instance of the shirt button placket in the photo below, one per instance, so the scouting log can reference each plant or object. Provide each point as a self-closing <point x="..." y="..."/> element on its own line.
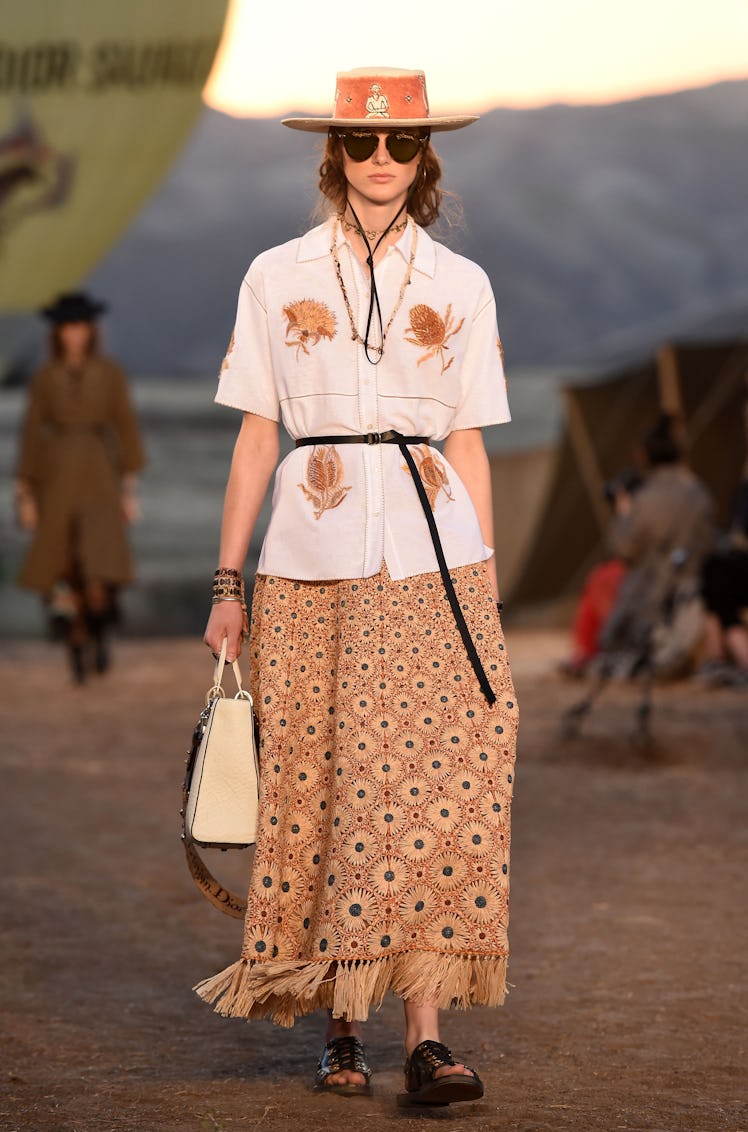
<point x="370" y="417"/>
<point x="365" y="404"/>
<point x="368" y="410"/>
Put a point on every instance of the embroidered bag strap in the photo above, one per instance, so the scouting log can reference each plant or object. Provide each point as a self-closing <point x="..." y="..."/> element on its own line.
<point x="392" y="436"/>
<point x="220" y="897"/>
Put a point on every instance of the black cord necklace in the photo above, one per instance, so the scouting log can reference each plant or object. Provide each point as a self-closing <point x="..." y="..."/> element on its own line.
<point x="373" y="293"/>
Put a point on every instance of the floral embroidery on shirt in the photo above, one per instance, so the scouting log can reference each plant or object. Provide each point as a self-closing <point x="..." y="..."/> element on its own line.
<point x="432" y="472"/>
<point x="225" y="363"/>
<point x="432" y="332"/>
<point x="308" y="321"/>
<point x="324" y="477"/>
<point x="500" y="348"/>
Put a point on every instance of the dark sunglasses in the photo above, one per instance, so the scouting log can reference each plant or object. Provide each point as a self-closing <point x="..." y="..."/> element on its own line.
<point x="360" y="145"/>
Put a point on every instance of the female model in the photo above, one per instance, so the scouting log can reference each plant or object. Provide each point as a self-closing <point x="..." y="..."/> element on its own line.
<point x="75" y="486"/>
<point x="386" y="709"/>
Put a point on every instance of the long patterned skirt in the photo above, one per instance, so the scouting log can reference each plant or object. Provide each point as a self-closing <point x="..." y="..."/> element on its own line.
<point x="382" y="859"/>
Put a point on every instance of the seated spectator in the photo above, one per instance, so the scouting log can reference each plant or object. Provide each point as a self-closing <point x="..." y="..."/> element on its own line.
<point x="662" y="533"/>
<point x="595" y="604"/>
<point x="724" y="590"/>
<point x="599" y="592"/>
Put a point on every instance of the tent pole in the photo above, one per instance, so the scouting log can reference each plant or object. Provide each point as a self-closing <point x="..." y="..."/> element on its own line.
<point x="668" y="385"/>
<point x="589" y="468"/>
<point x="727" y="379"/>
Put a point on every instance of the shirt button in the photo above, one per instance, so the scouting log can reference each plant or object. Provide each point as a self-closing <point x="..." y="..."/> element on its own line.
<point x="370" y="426"/>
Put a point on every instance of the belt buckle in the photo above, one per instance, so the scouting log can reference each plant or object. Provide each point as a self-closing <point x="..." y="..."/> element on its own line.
<point x="373" y="438"/>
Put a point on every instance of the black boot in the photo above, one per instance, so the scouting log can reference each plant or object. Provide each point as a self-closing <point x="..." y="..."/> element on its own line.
<point x="102" y="658"/>
<point x="98" y="623"/>
<point x="77" y="663"/>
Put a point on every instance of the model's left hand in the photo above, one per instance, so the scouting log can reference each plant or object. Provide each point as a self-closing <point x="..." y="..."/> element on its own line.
<point x="130" y="502"/>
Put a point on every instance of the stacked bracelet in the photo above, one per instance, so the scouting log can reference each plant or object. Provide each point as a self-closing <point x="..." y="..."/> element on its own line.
<point x="228" y="585"/>
<point x="225" y="593"/>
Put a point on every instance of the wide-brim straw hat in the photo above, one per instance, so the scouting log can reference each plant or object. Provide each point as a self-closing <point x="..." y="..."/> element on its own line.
<point x="383" y="97"/>
<point x="75" y="306"/>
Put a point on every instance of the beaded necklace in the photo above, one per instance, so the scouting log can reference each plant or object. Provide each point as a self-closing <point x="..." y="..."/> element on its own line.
<point x="355" y="336"/>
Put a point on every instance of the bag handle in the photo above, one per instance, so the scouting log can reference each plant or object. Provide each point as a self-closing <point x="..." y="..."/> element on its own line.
<point x="217" y="689"/>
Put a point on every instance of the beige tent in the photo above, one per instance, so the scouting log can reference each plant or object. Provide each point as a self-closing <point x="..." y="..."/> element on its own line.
<point x="560" y="513"/>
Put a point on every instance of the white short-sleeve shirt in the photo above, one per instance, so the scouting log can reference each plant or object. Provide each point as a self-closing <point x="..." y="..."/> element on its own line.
<point x="341" y="511"/>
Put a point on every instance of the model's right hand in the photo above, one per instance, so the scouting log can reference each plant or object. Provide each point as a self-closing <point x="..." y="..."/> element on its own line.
<point x="226" y="620"/>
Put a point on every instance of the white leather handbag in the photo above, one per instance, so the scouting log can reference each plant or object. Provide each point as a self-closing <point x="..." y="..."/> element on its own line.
<point x="220" y="792"/>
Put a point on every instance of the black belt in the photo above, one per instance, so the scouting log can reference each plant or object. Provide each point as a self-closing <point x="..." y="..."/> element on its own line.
<point x="394" y="437"/>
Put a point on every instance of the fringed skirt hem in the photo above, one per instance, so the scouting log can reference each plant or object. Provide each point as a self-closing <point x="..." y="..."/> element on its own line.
<point x="284" y="991"/>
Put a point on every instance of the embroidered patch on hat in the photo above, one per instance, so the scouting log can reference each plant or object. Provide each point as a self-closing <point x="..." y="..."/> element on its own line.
<point x="377" y="104"/>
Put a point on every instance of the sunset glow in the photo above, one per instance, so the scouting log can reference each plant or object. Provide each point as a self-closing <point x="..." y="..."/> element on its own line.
<point x="277" y="58"/>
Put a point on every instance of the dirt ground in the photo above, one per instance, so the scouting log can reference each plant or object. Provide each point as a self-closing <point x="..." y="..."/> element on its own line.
<point x="629" y="939"/>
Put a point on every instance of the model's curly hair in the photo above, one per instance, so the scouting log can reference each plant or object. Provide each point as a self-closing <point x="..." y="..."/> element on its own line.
<point x="424" y="201"/>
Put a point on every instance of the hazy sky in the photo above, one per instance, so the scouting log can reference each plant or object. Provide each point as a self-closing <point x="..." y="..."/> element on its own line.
<point x="284" y="54"/>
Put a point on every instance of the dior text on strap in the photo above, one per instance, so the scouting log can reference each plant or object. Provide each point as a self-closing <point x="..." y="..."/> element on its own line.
<point x="394" y="437"/>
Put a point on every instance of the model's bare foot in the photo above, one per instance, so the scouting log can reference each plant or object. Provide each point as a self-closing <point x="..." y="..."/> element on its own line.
<point x="338" y="1028"/>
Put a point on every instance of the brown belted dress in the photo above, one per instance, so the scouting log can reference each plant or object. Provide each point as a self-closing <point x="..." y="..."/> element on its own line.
<point x="80" y="437"/>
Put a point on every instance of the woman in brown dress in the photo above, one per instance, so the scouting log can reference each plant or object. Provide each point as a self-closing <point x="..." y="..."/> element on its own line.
<point x="377" y="663"/>
<point x="76" y="479"/>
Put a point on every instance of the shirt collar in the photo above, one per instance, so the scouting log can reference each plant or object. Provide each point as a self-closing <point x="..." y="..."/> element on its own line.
<point x="315" y="244"/>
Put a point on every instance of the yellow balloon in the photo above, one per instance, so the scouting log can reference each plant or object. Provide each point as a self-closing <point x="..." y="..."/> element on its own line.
<point x="95" y="101"/>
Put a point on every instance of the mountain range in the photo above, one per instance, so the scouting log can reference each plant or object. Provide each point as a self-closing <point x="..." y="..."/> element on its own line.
<point x="604" y="229"/>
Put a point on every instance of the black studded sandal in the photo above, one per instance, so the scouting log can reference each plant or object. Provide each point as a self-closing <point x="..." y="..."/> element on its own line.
<point x="339" y="1054"/>
<point x="425" y="1088"/>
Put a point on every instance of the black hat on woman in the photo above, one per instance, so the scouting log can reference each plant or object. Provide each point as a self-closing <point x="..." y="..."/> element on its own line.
<point x="74" y="306"/>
